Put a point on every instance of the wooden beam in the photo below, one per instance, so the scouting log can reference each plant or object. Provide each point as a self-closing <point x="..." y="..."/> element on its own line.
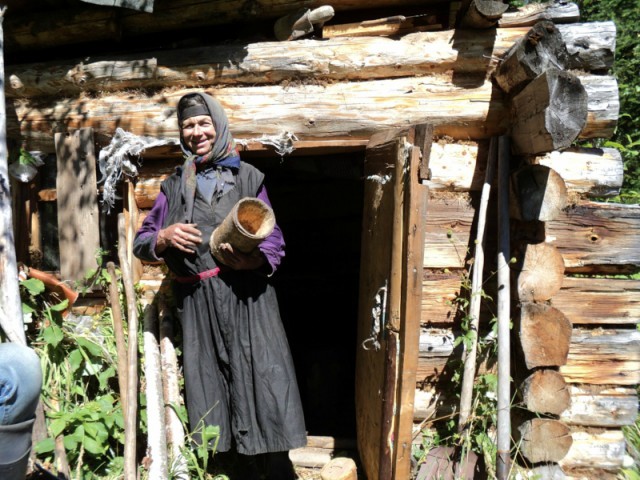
<point x="559" y="12"/>
<point x="545" y="335"/>
<point x="591" y="46"/>
<point x="77" y="199"/>
<point x="543" y="440"/>
<point x="600" y="449"/>
<point x="483" y="13"/>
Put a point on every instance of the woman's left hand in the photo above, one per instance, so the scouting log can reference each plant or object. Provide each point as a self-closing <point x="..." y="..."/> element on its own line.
<point x="237" y="260"/>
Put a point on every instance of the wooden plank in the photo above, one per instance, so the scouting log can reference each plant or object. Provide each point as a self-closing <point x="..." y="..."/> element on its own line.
<point x="531" y="13"/>
<point x="591" y="47"/>
<point x="77" y="199"/>
<point x="354" y="110"/>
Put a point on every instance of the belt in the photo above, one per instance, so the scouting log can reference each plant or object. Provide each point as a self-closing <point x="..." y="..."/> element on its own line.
<point x="199" y="276"/>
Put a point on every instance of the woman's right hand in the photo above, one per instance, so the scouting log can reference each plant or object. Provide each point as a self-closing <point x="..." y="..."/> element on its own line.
<point x="183" y="236"/>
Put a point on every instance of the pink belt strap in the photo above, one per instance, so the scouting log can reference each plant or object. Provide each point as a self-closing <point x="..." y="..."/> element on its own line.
<point x="199" y="276"/>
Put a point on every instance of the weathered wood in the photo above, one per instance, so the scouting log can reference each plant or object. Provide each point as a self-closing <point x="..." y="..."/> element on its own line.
<point x="483" y="13"/>
<point x="611" y="357"/>
<point x="540" y="271"/>
<point x="395" y="25"/>
<point x="77" y="193"/>
<point x="69" y="26"/>
<point x="338" y="110"/>
<point x="615" y="352"/>
<point x="601" y="406"/>
<point x="540" y="193"/>
<point x="340" y="468"/>
<point x="549" y="113"/>
<point x="559" y="12"/>
<point x="586" y="171"/>
<point x="543" y="440"/>
<point x="358" y="58"/>
<point x="545" y="391"/>
<point x="592" y="237"/>
<point x="540" y="49"/>
<point x="591" y="406"/>
<point x="604" y="449"/>
<point x="156" y="430"/>
<point x="545" y="335"/>
<point x="118" y="333"/>
<point x="590" y="301"/>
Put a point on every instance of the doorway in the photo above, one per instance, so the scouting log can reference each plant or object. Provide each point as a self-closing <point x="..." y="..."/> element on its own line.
<point x="318" y="201"/>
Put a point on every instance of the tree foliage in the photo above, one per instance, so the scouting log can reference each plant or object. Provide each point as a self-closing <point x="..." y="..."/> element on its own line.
<point x="626" y="16"/>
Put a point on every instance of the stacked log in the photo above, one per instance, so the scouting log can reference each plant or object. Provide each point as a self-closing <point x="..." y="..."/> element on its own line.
<point x="577" y="337"/>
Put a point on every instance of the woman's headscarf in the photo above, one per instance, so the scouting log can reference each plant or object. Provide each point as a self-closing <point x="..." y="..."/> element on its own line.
<point x="223" y="154"/>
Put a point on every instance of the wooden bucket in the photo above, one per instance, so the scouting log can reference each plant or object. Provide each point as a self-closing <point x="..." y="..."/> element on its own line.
<point x="248" y="223"/>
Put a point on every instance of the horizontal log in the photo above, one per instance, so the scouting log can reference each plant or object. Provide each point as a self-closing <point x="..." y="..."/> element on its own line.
<point x="601" y="356"/>
<point x="598" y="449"/>
<point x="604" y="357"/>
<point x="340" y="110"/>
<point x="483" y="13"/>
<point x="540" y="193"/>
<point x="539" y="268"/>
<point x="592" y="237"/>
<point x="363" y="58"/>
<point x="583" y="300"/>
<point x="601" y="406"/>
<point x="545" y="335"/>
<point x="545" y="391"/>
<point x="591" y="172"/>
<point x="543" y="440"/>
<point x="591" y="406"/>
<point x="559" y="12"/>
<point x="67" y="26"/>
<point x="590" y="301"/>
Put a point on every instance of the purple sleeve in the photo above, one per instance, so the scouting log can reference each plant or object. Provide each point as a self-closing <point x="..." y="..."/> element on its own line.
<point x="144" y="244"/>
<point x="273" y="246"/>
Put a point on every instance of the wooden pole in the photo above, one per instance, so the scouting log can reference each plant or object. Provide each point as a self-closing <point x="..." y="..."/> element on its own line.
<point x="130" y="429"/>
<point x="118" y="329"/>
<point x="503" y="462"/>
<point x="469" y="372"/>
<point x="10" y="305"/>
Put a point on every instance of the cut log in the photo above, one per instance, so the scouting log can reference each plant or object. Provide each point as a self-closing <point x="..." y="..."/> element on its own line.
<point x="543" y="440"/>
<point x="591" y="47"/>
<point x="341" y="468"/>
<point x="549" y="113"/>
<point x="593" y="172"/>
<point x="529" y="14"/>
<point x="483" y="14"/>
<point x="615" y="352"/>
<point x="89" y="23"/>
<point x="540" y="193"/>
<point x="545" y="335"/>
<point x="598" y="449"/>
<point x="545" y="391"/>
<point x="592" y="301"/>
<point x="540" y="49"/>
<point x="592" y="237"/>
<point x="339" y="110"/>
<point x="540" y="271"/>
<point x="78" y="215"/>
<point x="601" y="406"/>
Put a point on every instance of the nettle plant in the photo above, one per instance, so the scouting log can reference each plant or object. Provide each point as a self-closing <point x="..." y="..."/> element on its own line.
<point x="80" y="399"/>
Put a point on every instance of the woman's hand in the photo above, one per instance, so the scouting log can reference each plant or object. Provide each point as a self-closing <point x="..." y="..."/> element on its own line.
<point x="237" y="260"/>
<point x="183" y="236"/>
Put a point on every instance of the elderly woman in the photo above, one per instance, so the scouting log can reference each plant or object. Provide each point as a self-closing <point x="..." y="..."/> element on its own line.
<point x="238" y="369"/>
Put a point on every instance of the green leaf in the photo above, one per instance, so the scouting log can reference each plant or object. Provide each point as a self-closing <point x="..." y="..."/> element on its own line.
<point x="57" y="426"/>
<point x="92" y="347"/>
<point x="75" y="360"/>
<point x="53" y="335"/>
<point x="92" y="446"/>
<point x="60" y="307"/>
<point x="47" y="445"/>
<point x="33" y="286"/>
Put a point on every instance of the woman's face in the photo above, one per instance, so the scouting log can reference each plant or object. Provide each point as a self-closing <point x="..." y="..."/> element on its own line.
<point x="199" y="134"/>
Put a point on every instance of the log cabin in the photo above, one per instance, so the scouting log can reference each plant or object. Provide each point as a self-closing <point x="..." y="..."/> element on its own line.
<point x="374" y="131"/>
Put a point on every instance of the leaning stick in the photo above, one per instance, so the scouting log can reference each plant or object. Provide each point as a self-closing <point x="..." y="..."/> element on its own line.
<point x="504" y="315"/>
<point x="118" y="329"/>
<point x="156" y="440"/>
<point x="130" y="431"/>
<point x="468" y="375"/>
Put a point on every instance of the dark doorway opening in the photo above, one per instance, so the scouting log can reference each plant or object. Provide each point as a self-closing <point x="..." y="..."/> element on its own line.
<point x="318" y="204"/>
